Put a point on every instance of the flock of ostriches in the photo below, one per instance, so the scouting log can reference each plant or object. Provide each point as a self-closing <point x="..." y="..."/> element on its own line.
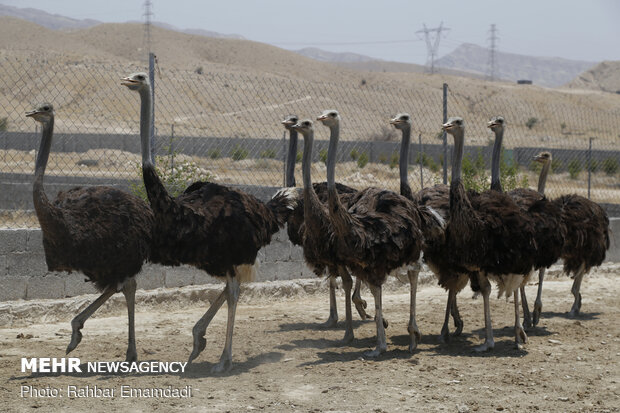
<point x="463" y="236"/>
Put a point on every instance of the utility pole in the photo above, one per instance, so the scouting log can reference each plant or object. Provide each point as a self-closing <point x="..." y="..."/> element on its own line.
<point x="148" y="15"/>
<point x="492" y="62"/>
<point x="432" y="37"/>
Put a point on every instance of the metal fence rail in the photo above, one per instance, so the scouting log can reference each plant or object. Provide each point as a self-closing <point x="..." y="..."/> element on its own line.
<point x="225" y="126"/>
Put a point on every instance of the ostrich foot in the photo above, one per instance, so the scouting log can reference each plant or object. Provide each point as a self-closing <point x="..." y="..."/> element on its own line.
<point x="199" y="344"/>
<point x="376" y="352"/>
<point x="536" y="312"/>
<point x="414" y="337"/>
<point x="360" y="306"/>
<point x="574" y="312"/>
<point x="527" y="319"/>
<point x="132" y="355"/>
<point x="76" y="336"/>
<point x="444" y="336"/>
<point x="458" y="323"/>
<point x="487" y="345"/>
<point x="348" y="337"/>
<point x="520" y="337"/>
<point x="224" y="365"/>
<point x="385" y="323"/>
<point x="331" y="322"/>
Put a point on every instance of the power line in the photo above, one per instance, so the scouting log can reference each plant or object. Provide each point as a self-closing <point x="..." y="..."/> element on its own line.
<point x="492" y="62"/>
<point x="343" y="43"/>
<point x="432" y="37"/>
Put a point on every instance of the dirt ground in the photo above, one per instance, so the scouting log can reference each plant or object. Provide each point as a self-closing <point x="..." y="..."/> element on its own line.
<point x="285" y="361"/>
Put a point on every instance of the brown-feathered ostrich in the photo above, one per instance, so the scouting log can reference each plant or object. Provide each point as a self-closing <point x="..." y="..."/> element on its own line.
<point x="550" y="231"/>
<point x="440" y="204"/>
<point x="489" y="236"/>
<point x="379" y="233"/>
<point x="210" y="226"/>
<point x="100" y="231"/>
<point x="586" y="240"/>
<point x="295" y="228"/>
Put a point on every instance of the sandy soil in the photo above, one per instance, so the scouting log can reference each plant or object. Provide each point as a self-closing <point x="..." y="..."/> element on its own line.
<point x="285" y="361"/>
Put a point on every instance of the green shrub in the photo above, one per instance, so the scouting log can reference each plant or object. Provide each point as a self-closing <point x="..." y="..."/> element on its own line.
<point x="383" y="158"/>
<point x="592" y="165"/>
<point x="535" y="166"/>
<point x="323" y="156"/>
<point x="556" y="165"/>
<point x="394" y="160"/>
<point x="354" y="154"/>
<point x="214" y="153"/>
<point x="531" y="122"/>
<point x="510" y="177"/>
<point x="299" y="156"/>
<point x="4" y="124"/>
<point x="238" y="153"/>
<point x="574" y="168"/>
<point x="362" y="160"/>
<point x="268" y="154"/>
<point x="610" y="166"/>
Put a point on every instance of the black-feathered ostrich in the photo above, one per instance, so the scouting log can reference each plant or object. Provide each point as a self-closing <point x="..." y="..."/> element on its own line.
<point x="100" y="231"/>
<point x="435" y="198"/>
<point x="550" y="231"/>
<point x="379" y="233"/>
<point x="586" y="240"/>
<point x="488" y="235"/>
<point x="295" y="228"/>
<point x="210" y="226"/>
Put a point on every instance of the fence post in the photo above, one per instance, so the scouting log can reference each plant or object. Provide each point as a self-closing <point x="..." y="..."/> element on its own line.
<point x="421" y="155"/>
<point x="445" y="135"/>
<point x="589" y="165"/>
<point x="152" y="80"/>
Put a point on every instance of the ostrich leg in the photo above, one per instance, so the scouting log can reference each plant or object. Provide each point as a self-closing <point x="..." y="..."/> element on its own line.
<point x="225" y="363"/>
<point x="445" y="330"/>
<point x="575" y="290"/>
<point x="485" y="288"/>
<point x="414" y="332"/>
<point x="332" y="321"/>
<point x="538" y="302"/>
<point x="456" y="316"/>
<point x="347" y="284"/>
<point x="78" y="322"/>
<point x="360" y="304"/>
<point x="129" y="291"/>
<point x="520" y="336"/>
<point x="381" y="341"/>
<point x="527" y="316"/>
<point x="200" y="328"/>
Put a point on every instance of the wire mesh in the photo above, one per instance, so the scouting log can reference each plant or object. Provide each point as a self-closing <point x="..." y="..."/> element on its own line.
<point x="225" y="126"/>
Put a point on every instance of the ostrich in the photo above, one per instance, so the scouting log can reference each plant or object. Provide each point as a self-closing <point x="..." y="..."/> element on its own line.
<point x="379" y="233"/>
<point x="489" y="236"/>
<point x="212" y="227"/>
<point x="586" y="240"/>
<point x="550" y="231"/>
<point x="101" y="231"/>
<point x="295" y="224"/>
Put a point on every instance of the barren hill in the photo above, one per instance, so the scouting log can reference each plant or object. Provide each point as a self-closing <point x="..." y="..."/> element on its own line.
<point x="605" y="76"/>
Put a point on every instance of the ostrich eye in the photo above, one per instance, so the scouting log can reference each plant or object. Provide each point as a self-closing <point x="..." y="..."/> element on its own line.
<point x="405" y="118"/>
<point x="333" y="114"/>
<point x="458" y="122"/>
<point x="140" y="77"/>
<point x="46" y="108"/>
<point x="306" y="123"/>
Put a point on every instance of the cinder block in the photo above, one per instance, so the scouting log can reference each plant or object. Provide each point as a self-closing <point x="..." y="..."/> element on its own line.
<point x="49" y="286"/>
<point x="267" y="271"/>
<point x="297" y="253"/>
<point x="278" y="251"/>
<point x="178" y="277"/>
<point x="287" y="270"/>
<point x="201" y="278"/>
<point x="13" y="240"/>
<point x="151" y="277"/>
<point x="306" y="272"/>
<point x="76" y="284"/>
<point x="34" y="241"/>
<point x="13" y="288"/>
<point x="25" y="264"/>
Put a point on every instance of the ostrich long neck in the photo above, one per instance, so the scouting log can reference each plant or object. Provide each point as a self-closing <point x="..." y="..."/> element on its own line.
<point x="340" y="218"/>
<point x="542" y="179"/>
<point x="291" y="158"/>
<point x="331" y="156"/>
<point x="312" y="205"/>
<point x="155" y="190"/>
<point x="496" y="184"/>
<point x="39" y="197"/>
<point x="457" y="159"/>
<point x="405" y="189"/>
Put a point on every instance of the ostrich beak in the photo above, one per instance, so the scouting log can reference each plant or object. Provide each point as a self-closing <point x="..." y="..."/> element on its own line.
<point x="31" y="113"/>
<point x="447" y="126"/>
<point x="538" y="158"/>
<point x="127" y="81"/>
<point x="322" y="117"/>
<point x="394" y="121"/>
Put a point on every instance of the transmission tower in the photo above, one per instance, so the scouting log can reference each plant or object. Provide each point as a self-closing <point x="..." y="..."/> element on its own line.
<point x="432" y="37"/>
<point x="148" y="15"/>
<point x="492" y="62"/>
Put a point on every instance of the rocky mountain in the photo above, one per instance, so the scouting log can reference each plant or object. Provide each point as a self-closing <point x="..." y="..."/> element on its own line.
<point x="333" y="57"/>
<point x="605" y="76"/>
<point x="544" y="71"/>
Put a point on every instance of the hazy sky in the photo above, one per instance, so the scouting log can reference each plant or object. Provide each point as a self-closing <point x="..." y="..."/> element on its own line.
<point x="386" y="29"/>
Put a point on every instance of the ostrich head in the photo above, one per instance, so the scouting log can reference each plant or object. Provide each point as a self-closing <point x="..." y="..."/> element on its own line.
<point x="290" y="121"/>
<point x="42" y="113"/>
<point x="329" y="117"/>
<point x="543" y="157"/>
<point x="136" y="81"/>
<point x="401" y="121"/>
<point x="496" y="123"/>
<point x="453" y="125"/>
<point x="304" y="126"/>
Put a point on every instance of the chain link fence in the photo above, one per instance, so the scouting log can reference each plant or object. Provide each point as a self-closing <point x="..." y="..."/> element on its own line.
<point x="225" y="126"/>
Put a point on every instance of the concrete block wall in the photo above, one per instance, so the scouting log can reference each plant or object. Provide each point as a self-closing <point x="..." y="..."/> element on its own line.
<point x="24" y="274"/>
